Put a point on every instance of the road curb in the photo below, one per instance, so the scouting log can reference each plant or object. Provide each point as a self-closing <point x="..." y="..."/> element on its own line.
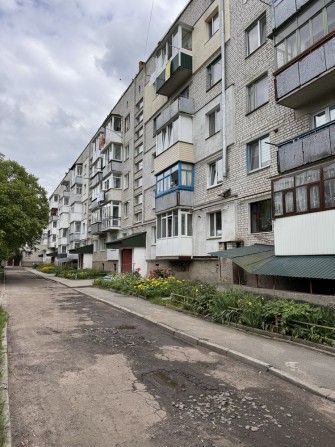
<point x="4" y="388"/>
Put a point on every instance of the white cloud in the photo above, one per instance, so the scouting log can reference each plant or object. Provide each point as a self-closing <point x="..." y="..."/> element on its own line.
<point x="63" y="66"/>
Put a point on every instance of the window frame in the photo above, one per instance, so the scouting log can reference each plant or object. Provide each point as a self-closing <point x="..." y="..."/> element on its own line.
<point x="218" y="173"/>
<point x="211" y="21"/>
<point x="180" y="173"/>
<point x="258" y="212"/>
<point x="259" y="141"/>
<point x="214" y="121"/>
<point x="252" y="104"/>
<point x="216" y="216"/>
<point x="260" y="36"/>
<point x="211" y="79"/>
<point x="293" y="186"/>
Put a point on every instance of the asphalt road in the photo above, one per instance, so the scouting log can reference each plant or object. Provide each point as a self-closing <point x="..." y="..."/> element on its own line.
<point x="83" y="374"/>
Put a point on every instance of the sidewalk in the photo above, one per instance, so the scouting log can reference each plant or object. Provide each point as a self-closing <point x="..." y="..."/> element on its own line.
<point x="308" y="368"/>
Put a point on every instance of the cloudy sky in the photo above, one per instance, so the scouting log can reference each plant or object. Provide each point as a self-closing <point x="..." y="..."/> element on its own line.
<point x="63" y="66"/>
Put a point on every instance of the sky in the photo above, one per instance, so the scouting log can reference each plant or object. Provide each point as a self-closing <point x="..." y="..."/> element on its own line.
<point x="63" y="66"/>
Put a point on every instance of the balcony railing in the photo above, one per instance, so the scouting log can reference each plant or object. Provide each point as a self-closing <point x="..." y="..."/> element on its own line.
<point x="96" y="228"/>
<point x="75" y="198"/>
<point x="308" y="77"/>
<point x="112" y="166"/>
<point x="74" y="237"/>
<point x="309" y="147"/>
<point x="177" y="70"/>
<point x="111" y="223"/>
<point x="180" y="105"/>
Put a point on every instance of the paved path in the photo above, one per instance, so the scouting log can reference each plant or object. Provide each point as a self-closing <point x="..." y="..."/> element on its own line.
<point x="308" y="368"/>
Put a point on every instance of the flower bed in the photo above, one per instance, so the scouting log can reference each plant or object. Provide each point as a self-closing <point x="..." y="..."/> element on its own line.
<point x="297" y="320"/>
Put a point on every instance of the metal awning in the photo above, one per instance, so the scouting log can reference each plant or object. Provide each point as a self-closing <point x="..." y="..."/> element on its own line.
<point x="135" y="240"/>
<point x="243" y="251"/>
<point x="82" y="250"/>
<point x="53" y="253"/>
<point x="259" y="259"/>
<point x="62" y="260"/>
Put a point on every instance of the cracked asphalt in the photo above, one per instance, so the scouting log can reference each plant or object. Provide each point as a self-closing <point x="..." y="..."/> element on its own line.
<point x="84" y="374"/>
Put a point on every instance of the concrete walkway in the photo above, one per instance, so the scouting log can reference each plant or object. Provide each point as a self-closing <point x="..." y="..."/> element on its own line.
<point x="306" y="367"/>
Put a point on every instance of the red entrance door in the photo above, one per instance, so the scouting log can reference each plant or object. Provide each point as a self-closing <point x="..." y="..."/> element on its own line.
<point x="127" y="264"/>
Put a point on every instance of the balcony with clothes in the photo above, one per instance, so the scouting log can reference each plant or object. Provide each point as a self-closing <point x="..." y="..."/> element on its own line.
<point x="304" y="211"/>
<point x="174" y="234"/>
<point x="112" y="132"/>
<point x="174" y="187"/>
<point x="305" y="55"/>
<point x="174" y="60"/>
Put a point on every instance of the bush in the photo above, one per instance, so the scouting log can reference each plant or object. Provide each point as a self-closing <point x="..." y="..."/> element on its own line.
<point x="72" y="273"/>
<point x="46" y="268"/>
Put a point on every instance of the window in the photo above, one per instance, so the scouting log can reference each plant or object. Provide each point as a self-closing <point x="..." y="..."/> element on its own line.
<point x="83" y="228"/>
<point x="117" y="124"/>
<point x="306" y="35"/>
<point x="256" y="35"/>
<point x="258" y="154"/>
<point x="116" y="181"/>
<point x="167" y="137"/>
<point x="138" y="149"/>
<point x="174" y="223"/>
<point x="138" y="217"/>
<point x="215" y="173"/>
<point x="138" y="165"/>
<point x="215" y="224"/>
<point x="323" y="117"/>
<point x="55" y="198"/>
<point x="116" y="152"/>
<point x="258" y="93"/>
<point x="213" y="24"/>
<point x="102" y="244"/>
<point x="64" y="232"/>
<point x="214" y="73"/>
<point x="127" y="123"/>
<point x="139" y="105"/>
<point x="66" y="201"/>
<point x="78" y="190"/>
<point x="138" y="182"/>
<point x="179" y="176"/>
<point x="126" y="153"/>
<point x="79" y="169"/>
<point x="260" y="216"/>
<point x="214" y="124"/>
<point x="307" y="191"/>
<point x="138" y="199"/>
<point x="54" y="224"/>
<point x="63" y="249"/>
<point x="54" y="237"/>
<point x="106" y="185"/>
<point x="77" y="226"/>
<point x="139" y="133"/>
<point x="126" y="181"/>
<point x="126" y="209"/>
<point x="139" y="118"/>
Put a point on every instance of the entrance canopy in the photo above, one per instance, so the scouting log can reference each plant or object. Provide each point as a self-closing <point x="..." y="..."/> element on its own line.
<point x="82" y="250"/>
<point x="135" y="240"/>
<point x="260" y="259"/>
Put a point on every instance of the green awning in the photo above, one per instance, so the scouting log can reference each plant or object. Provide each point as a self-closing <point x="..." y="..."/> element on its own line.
<point x="259" y="259"/>
<point x="135" y="240"/>
<point x="242" y="251"/>
<point x="53" y="253"/>
<point x="82" y="250"/>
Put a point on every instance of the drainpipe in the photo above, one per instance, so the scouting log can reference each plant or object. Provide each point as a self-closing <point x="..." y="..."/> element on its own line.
<point x="223" y="83"/>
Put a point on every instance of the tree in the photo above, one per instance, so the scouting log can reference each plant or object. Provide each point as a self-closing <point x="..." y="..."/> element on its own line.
<point x="23" y="208"/>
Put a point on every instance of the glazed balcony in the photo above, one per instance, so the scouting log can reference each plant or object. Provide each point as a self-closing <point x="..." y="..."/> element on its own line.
<point x="111" y="223"/>
<point x="308" y="77"/>
<point x="284" y="10"/>
<point x="309" y="147"/>
<point x="180" y="105"/>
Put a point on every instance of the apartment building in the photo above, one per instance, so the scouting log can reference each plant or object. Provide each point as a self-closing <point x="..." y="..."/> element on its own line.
<point x="194" y="167"/>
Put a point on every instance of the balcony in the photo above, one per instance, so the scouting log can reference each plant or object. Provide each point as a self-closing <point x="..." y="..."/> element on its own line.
<point x="174" y="247"/>
<point x="66" y="193"/>
<point x="179" y="151"/>
<point x="74" y="237"/>
<point x="111" y="137"/>
<point x="96" y="228"/>
<point x="112" y="166"/>
<point x="77" y="180"/>
<point x="174" y="199"/>
<point x="113" y="194"/>
<point x="309" y="147"/>
<point x="96" y="179"/>
<point x="175" y="73"/>
<point x="75" y="198"/>
<point x="181" y="105"/>
<point x="111" y="223"/>
<point x="285" y="9"/>
<point x="308" y="77"/>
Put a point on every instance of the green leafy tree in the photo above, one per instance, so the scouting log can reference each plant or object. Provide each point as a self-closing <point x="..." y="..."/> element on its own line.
<point x="23" y="208"/>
